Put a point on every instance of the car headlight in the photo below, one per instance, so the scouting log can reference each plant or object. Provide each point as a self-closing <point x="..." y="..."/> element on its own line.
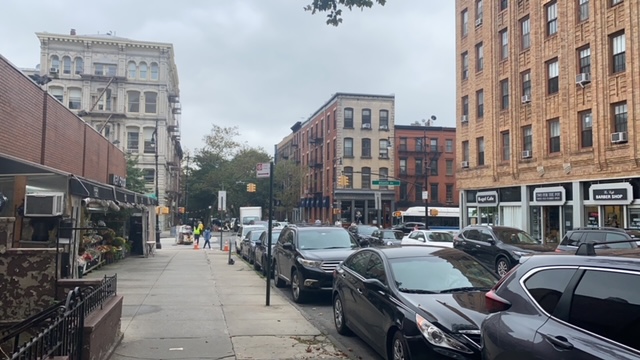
<point x="309" y="263"/>
<point x="437" y="337"/>
<point x="521" y="253"/>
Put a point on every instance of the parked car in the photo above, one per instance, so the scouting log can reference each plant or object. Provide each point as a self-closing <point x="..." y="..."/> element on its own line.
<point x="386" y="237"/>
<point x="409" y="226"/>
<point x="242" y="233"/>
<point x="305" y="257"/>
<point x="429" y="237"/>
<point x="249" y="244"/>
<point x="566" y="307"/>
<point x="363" y="233"/>
<point x="576" y="237"/>
<point x="413" y="302"/>
<point x="498" y="247"/>
<point x="261" y="251"/>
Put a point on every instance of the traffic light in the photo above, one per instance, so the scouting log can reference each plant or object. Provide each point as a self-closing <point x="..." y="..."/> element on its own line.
<point x="251" y="187"/>
<point x="345" y="181"/>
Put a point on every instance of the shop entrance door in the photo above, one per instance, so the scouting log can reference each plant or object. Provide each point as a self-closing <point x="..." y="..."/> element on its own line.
<point x="613" y="216"/>
<point x="135" y="235"/>
<point x="551" y="223"/>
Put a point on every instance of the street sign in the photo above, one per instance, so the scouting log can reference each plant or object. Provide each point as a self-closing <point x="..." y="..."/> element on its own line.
<point x="425" y="195"/>
<point x="222" y="200"/>
<point x="263" y="170"/>
<point x="386" y="182"/>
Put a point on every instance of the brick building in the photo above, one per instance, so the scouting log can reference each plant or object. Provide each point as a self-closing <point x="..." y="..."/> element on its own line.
<point x="544" y="98"/>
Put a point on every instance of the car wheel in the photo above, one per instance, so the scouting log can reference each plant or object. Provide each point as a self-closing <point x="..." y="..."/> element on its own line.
<point x="338" y="317"/>
<point x="279" y="282"/>
<point x="502" y="266"/>
<point x="399" y="348"/>
<point x="255" y="263"/>
<point x="296" y="287"/>
<point x="238" y="249"/>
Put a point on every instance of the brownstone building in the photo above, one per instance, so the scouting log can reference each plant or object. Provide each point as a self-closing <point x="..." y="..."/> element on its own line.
<point x="545" y="105"/>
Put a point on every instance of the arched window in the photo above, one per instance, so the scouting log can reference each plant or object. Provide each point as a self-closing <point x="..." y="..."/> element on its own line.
<point x="75" y="99"/>
<point x="366" y="118"/>
<point x="66" y="65"/>
<point x="133" y="139"/>
<point x="384" y="148"/>
<point x="348" y="147"/>
<point x="149" y="176"/>
<point x="131" y="70"/>
<point x="150" y="102"/>
<point x="348" y="172"/>
<point x="348" y="118"/>
<point x="57" y="92"/>
<point x="155" y="72"/>
<point x="366" y="148"/>
<point x="384" y="119"/>
<point x="149" y="140"/>
<point x="79" y="64"/>
<point x="55" y="63"/>
<point x="133" y="101"/>
<point x="366" y="178"/>
<point x="142" y="68"/>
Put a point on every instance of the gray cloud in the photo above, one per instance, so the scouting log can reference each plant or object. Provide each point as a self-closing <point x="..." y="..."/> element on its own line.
<point x="262" y="65"/>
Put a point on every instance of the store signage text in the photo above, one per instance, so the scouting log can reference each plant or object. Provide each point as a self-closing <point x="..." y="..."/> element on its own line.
<point x="612" y="194"/>
<point x="487" y="198"/>
<point x="549" y="196"/>
<point x="117" y="180"/>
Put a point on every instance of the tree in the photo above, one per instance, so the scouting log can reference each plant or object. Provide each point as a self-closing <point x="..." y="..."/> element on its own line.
<point x="286" y="185"/>
<point x="135" y="176"/>
<point x="334" y="8"/>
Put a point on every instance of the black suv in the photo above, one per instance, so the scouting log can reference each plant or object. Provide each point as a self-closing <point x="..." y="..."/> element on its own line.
<point x="574" y="238"/>
<point x="305" y="257"/>
<point x="498" y="247"/>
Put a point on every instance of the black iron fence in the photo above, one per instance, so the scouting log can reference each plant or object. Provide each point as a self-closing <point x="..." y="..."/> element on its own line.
<point x="59" y="329"/>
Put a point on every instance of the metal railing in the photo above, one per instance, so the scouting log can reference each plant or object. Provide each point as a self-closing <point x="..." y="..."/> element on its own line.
<point x="95" y="298"/>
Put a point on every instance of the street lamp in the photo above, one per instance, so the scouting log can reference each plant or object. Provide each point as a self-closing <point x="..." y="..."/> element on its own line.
<point x="154" y="142"/>
<point x="427" y="170"/>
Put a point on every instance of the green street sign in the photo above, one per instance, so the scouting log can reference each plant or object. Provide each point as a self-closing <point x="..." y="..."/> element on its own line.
<point x="386" y="182"/>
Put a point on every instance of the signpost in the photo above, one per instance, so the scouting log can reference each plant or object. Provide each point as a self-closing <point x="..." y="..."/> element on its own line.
<point x="386" y="182"/>
<point x="265" y="170"/>
<point x="222" y="206"/>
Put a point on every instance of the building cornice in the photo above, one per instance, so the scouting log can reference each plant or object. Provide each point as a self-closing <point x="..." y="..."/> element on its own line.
<point x="115" y="41"/>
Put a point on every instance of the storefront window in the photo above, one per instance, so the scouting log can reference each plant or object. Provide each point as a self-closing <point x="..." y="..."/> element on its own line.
<point x="634" y="218"/>
<point x="488" y="215"/>
<point x="591" y="212"/>
<point x="568" y="218"/>
<point x="535" y="229"/>
<point x="472" y="215"/>
<point x="613" y="216"/>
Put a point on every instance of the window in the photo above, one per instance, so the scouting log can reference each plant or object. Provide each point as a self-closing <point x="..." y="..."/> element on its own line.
<point x="465" y="22"/>
<point x="133" y="138"/>
<point x="553" y="77"/>
<point x="547" y="286"/>
<point x="55" y="62"/>
<point x="504" y="94"/>
<point x="465" y="151"/>
<point x="383" y="175"/>
<point x="506" y="146"/>
<point x="616" y="2"/>
<point x="620" y="117"/>
<point x="150" y="102"/>
<point x="480" y="103"/>
<point x="419" y="145"/>
<point x="583" y="10"/>
<point x="366" y="148"/>
<point x="433" y="167"/>
<point x="449" y="167"/>
<point x="155" y="72"/>
<point x="149" y="141"/>
<point x="584" y="60"/>
<point x="449" y="193"/>
<point x="142" y="70"/>
<point x="503" y="4"/>
<point x="480" y="145"/>
<point x="132" y="70"/>
<point x="366" y="118"/>
<point x="104" y="69"/>
<point x="525" y="35"/>
<point x="418" y="191"/>
<point x="366" y="178"/>
<point x="133" y="101"/>
<point x="465" y="106"/>
<point x="57" y="92"/>
<point x="348" y="172"/>
<point x="79" y="64"/>
<point x="149" y="176"/>
<point x="479" y="57"/>
<point x="358" y="262"/>
<point x="526" y="83"/>
<point x="105" y="102"/>
<point x="66" y="65"/>
<point x="478" y="12"/>
<point x="433" y="193"/>
<point x="618" y="306"/>
<point x="448" y="145"/>
<point x="335" y="120"/>
<point x="618" y="47"/>
<point x="586" y="129"/>
<point x="504" y="44"/>
<point x="403" y="144"/>
<point x="554" y="136"/>
<point x="348" y="118"/>
<point x="348" y="147"/>
<point x="552" y="18"/>
<point x="75" y="99"/>
<point x="465" y="65"/>
<point x="434" y="145"/>
<point x="403" y="166"/>
<point x="404" y="191"/>
<point x="384" y="119"/>
<point x="384" y="148"/>
<point x="527" y="138"/>
<point x="419" y="166"/>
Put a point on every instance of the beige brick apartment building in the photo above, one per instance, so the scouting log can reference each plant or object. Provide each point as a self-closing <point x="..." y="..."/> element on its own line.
<point x="547" y="137"/>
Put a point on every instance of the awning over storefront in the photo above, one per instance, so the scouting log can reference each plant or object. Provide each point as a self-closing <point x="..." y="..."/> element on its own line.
<point x="10" y="165"/>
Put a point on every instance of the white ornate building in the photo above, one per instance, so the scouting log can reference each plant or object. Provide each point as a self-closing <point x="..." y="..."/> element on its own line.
<point x="128" y="90"/>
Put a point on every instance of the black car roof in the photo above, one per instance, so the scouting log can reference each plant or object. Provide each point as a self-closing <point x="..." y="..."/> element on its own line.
<point x="496" y="227"/>
<point x="402" y="251"/>
<point x="320" y="228"/>
<point x="620" y="260"/>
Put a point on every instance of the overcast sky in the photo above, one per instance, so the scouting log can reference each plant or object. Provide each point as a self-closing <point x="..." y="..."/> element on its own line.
<point x="263" y="65"/>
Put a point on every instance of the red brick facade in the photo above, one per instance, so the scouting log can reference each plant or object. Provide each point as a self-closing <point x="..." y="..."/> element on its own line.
<point x="67" y="142"/>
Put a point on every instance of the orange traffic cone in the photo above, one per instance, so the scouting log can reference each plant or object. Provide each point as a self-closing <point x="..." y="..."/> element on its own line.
<point x="226" y="246"/>
<point x="195" y="246"/>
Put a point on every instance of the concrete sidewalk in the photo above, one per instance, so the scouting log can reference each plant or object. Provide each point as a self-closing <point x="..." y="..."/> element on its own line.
<point x="190" y="304"/>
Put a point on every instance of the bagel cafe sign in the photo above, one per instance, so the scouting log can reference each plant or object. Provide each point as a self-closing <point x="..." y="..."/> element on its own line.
<point x="618" y="193"/>
<point x="487" y="198"/>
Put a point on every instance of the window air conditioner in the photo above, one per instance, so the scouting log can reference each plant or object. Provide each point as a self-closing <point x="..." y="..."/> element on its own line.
<point x="619" y="137"/>
<point x="366" y="126"/>
<point x="465" y="164"/>
<point x="526" y="99"/>
<point x="478" y="21"/>
<point x="465" y="119"/>
<point x="583" y="78"/>
<point x="44" y="204"/>
<point x="384" y="127"/>
<point x="526" y="154"/>
<point x="53" y="70"/>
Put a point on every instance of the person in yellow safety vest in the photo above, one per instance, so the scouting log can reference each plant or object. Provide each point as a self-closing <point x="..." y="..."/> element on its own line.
<point x="196" y="234"/>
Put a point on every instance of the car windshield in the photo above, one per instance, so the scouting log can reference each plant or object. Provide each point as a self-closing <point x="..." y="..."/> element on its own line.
<point x="326" y="239"/>
<point x="274" y="236"/>
<point x="515" y="237"/>
<point x="440" y="237"/>
<point x="255" y="235"/>
<point x="366" y="230"/>
<point x="441" y="273"/>
<point x="256" y="228"/>
<point x="392" y="235"/>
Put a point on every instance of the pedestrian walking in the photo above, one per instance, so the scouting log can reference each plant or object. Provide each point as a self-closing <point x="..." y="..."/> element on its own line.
<point x="207" y="238"/>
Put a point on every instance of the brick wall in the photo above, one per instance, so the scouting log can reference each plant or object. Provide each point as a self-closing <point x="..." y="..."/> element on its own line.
<point x="22" y="117"/>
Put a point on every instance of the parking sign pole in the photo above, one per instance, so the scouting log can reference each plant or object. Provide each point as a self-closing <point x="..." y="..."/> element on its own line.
<point x="269" y="234"/>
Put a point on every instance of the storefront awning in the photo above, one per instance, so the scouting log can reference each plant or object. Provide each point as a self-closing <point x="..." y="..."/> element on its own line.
<point x="11" y="166"/>
<point x="91" y="189"/>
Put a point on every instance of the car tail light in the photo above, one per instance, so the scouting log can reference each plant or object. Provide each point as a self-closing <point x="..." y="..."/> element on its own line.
<point x="495" y="303"/>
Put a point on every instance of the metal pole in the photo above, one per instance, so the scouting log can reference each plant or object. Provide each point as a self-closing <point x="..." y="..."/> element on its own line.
<point x="426" y="185"/>
<point x="221" y="228"/>
<point x="158" y="244"/>
<point x="186" y="192"/>
<point x="268" y="300"/>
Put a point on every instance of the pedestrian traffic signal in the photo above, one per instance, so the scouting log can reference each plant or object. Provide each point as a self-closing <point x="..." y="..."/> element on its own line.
<point x="251" y="187"/>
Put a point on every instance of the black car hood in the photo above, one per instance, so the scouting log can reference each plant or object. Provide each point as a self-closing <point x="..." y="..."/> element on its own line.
<point x="327" y="254"/>
<point x="457" y="311"/>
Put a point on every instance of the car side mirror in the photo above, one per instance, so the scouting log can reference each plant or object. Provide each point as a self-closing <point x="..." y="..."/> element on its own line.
<point x="491" y="241"/>
<point x="364" y="242"/>
<point x="258" y="243"/>
<point x="287" y="246"/>
<point x="375" y="285"/>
